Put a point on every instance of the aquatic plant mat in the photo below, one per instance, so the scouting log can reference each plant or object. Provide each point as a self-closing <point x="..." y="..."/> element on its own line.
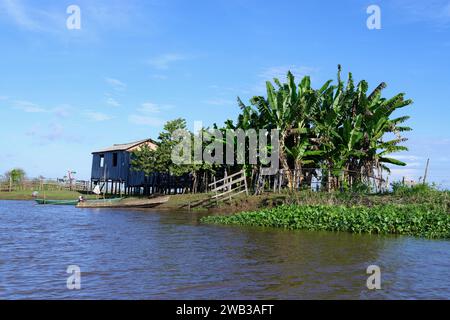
<point x="413" y="220"/>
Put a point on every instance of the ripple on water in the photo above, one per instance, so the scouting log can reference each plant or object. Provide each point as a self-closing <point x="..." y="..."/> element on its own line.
<point x="151" y="255"/>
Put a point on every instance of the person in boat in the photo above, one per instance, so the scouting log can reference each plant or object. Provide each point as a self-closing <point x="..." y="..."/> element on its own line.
<point x="81" y="199"/>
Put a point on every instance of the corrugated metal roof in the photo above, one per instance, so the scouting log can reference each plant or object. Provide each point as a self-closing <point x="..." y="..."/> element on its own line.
<point x="124" y="146"/>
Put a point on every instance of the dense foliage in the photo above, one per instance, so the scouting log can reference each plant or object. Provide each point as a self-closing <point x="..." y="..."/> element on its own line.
<point x="341" y="132"/>
<point x="414" y="220"/>
<point x="160" y="160"/>
<point x="342" y="129"/>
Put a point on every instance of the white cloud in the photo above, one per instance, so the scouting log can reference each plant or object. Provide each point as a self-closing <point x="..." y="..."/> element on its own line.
<point x="28" y="106"/>
<point x="159" y="76"/>
<point x="403" y="157"/>
<point x="113" y="14"/>
<point x="38" y="16"/>
<point x="51" y="133"/>
<point x="433" y="11"/>
<point x="149" y="107"/>
<point x="33" y="18"/>
<point x="408" y="173"/>
<point x="116" y="84"/>
<point x="163" y="62"/>
<point x="280" y="72"/>
<point x="112" y="102"/>
<point x="17" y="12"/>
<point x="62" y="111"/>
<point x="413" y="170"/>
<point x="145" y="115"/>
<point x="97" y="116"/>
<point x="145" y="120"/>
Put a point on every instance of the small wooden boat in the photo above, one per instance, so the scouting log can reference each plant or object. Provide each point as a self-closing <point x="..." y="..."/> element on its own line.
<point x="57" y="202"/>
<point x="123" y="203"/>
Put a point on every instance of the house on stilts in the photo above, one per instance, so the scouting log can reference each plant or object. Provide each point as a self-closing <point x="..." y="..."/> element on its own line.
<point x="112" y="171"/>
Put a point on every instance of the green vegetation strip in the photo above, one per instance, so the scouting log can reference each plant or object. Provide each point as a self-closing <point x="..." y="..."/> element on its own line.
<point x="413" y="220"/>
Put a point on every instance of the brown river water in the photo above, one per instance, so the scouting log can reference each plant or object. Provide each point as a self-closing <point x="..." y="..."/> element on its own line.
<point x="126" y="254"/>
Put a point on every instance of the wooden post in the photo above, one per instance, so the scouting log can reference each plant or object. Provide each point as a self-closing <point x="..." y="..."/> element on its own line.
<point x="329" y="180"/>
<point x="280" y="180"/>
<point x="10" y="183"/>
<point x="215" y="187"/>
<point x="275" y="181"/>
<point x="426" y="172"/>
<point x="245" y="182"/>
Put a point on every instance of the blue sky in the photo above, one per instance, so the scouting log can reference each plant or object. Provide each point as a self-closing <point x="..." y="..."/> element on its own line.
<point x="135" y="64"/>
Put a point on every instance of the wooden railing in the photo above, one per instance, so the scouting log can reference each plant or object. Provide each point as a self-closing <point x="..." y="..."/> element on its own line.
<point x="229" y="187"/>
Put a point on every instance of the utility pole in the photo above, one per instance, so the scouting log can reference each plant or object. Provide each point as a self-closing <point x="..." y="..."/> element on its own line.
<point x="426" y="172"/>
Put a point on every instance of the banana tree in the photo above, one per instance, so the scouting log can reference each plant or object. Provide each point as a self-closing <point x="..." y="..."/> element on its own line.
<point x="277" y="111"/>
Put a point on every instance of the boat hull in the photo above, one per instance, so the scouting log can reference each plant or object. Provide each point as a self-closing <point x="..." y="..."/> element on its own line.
<point x="57" y="202"/>
<point x="124" y="203"/>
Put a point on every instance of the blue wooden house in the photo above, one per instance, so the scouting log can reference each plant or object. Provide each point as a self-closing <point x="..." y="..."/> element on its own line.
<point x="112" y="170"/>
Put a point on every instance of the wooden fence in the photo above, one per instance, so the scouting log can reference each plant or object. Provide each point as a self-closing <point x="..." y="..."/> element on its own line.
<point x="229" y="187"/>
<point x="45" y="185"/>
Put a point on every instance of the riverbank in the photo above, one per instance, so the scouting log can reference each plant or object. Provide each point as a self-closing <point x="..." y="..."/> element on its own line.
<point x="175" y="201"/>
<point x="421" y="195"/>
<point x="54" y="195"/>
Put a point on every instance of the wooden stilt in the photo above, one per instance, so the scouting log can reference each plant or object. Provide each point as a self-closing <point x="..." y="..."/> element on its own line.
<point x="426" y="172"/>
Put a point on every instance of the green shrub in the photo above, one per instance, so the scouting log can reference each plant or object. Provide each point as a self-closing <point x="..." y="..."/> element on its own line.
<point x="399" y="188"/>
<point x="414" y="220"/>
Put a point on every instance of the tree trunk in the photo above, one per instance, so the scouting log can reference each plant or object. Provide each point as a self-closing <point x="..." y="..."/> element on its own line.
<point x="299" y="174"/>
<point x="285" y="164"/>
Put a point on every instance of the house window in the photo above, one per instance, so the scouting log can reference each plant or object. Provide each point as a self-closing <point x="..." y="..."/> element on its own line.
<point x="102" y="160"/>
<point x="115" y="159"/>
